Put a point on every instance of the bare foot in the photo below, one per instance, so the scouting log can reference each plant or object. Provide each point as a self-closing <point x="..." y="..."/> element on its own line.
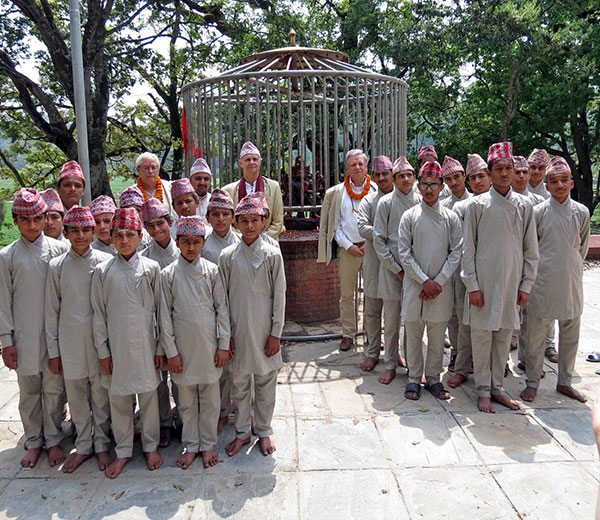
<point x="185" y="459"/>
<point x="56" y="455"/>
<point x="569" y="391"/>
<point x="31" y="457"/>
<point x="507" y="401"/>
<point x="485" y="405"/>
<point x="221" y="424"/>
<point x="115" y="468"/>
<point x="266" y="446"/>
<point x="210" y="458"/>
<point x="456" y="380"/>
<point x="236" y="445"/>
<point x="153" y="460"/>
<point x="369" y="364"/>
<point x="402" y="362"/>
<point x="74" y="462"/>
<point x="387" y="377"/>
<point x="105" y="459"/>
<point x="529" y="394"/>
<point x="423" y="380"/>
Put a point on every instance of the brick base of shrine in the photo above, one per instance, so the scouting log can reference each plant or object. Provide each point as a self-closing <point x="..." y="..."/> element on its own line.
<point x="313" y="290"/>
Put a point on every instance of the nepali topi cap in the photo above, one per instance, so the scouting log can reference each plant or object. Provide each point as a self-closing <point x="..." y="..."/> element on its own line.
<point x="182" y="187"/>
<point x="558" y="165"/>
<point x="249" y="148"/>
<point x="219" y="199"/>
<point x="431" y="169"/>
<point x="401" y="164"/>
<point x="53" y="201"/>
<point x="427" y="152"/>
<point x="71" y="169"/>
<point x="102" y="204"/>
<point x="538" y="156"/>
<point x="521" y="163"/>
<point x="382" y="163"/>
<point x="503" y="150"/>
<point x="190" y="226"/>
<point x="79" y="216"/>
<point x="132" y="196"/>
<point x="126" y="218"/>
<point x="28" y="203"/>
<point x="250" y="205"/>
<point x="200" y="166"/>
<point x="475" y="163"/>
<point x="153" y="209"/>
<point x="451" y="166"/>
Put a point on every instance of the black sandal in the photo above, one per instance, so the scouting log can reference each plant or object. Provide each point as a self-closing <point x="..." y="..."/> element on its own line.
<point x="165" y="436"/>
<point x="436" y="390"/>
<point x="413" y="387"/>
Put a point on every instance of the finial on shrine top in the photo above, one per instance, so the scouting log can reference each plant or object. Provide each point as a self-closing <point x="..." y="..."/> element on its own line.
<point x="292" y="34"/>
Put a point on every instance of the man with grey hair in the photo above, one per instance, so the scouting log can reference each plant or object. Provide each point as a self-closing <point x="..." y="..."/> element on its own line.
<point x="339" y="236"/>
<point x="149" y="182"/>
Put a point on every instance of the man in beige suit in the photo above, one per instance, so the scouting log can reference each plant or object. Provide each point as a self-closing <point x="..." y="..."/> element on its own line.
<point x="339" y="236"/>
<point x="250" y="161"/>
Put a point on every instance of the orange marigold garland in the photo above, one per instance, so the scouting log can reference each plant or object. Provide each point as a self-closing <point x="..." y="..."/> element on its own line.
<point x="159" y="189"/>
<point x="352" y="194"/>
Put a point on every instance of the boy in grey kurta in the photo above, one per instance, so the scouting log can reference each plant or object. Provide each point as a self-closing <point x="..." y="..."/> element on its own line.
<point x="70" y="339"/>
<point x="429" y="247"/>
<point x="125" y="297"/>
<point x="563" y="230"/>
<point x="390" y="209"/>
<point x="157" y="221"/>
<point x="381" y="173"/>
<point x="103" y="209"/>
<point x="219" y="213"/>
<point x="195" y="337"/>
<point x="500" y="256"/>
<point x="23" y="270"/>
<point x="254" y="281"/>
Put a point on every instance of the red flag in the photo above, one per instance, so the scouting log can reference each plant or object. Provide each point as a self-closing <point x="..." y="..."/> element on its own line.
<point x="184" y="131"/>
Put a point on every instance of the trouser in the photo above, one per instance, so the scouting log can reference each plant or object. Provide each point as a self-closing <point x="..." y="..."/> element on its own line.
<point x="264" y="403"/>
<point x="520" y="338"/>
<point x="164" y="401"/>
<point x="372" y="317"/>
<point x="349" y="267"/>
<point x="41" y="406"/>
<point x="433" y="364"/>
<point x="490" y="354"/>
<point x="225" y="389"/>
<point x="199" y="408"/>
<point x="568" y="341"/>
<point x="90" y="413"/>
<point x="392" y="311"/>
<point x="122" y="422"/>
<point x="453" y="326"/>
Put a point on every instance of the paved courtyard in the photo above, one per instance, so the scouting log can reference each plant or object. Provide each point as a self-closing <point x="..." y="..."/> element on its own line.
<point x="348" y="448"/>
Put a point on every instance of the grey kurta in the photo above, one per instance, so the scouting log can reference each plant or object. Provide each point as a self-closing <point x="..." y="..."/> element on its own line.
<point x="215" y="244"/>
<point x="164" y="256"/>
<point x="23" y="270"/>
<point x="69" y="313"/>
<point x="429" y="247"/>
<point x="540" y="189"/>
<point x="254" y="280"/>
<point x="451" y="201"/>
<point x="125" y="298"/>
<point x="563" y="232"/>
<point x="365" y="220"/>
<point x="390" y="209"/>
<point x="101" y="246"/>
<point x="194" y="318"/>
<point x="500" y="257"/>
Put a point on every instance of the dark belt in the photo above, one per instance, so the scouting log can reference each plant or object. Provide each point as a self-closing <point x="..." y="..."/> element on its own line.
<point x="359" y="244"/>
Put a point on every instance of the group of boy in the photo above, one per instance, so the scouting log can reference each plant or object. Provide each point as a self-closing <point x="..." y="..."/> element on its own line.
<point x="504" y="259"/>
<point x="125" y="299"/>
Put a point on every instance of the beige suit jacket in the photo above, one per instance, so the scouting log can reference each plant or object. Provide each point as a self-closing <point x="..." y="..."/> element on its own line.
<point x="330" y="215"/>
<point x="274" y="201"/>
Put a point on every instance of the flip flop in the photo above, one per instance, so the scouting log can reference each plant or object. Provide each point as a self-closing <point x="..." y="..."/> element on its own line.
<point x="436" y="389"/>
<point x="165" y="436"/>
<point x="594" y="357"/>
<point x="552" y="355"/>
<point x="598" y="372"/>
<point x="413" y="387"/>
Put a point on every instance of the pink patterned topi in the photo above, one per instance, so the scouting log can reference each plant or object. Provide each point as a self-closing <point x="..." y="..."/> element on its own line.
<point x="28" y="203"/>
<point x="79" y="216"/>
<point x="190" y="226"/>
<point x="102" y="204"/>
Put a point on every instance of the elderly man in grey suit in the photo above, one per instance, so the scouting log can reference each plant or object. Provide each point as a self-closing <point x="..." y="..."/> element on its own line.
<point x="339" y="236"/>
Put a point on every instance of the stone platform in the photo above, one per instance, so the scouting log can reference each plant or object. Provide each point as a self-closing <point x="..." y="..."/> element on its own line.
<point x="350" y="448"/>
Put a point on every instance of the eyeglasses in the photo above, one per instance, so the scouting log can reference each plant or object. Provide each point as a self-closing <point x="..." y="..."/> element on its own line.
<point x="432" y="186"/>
